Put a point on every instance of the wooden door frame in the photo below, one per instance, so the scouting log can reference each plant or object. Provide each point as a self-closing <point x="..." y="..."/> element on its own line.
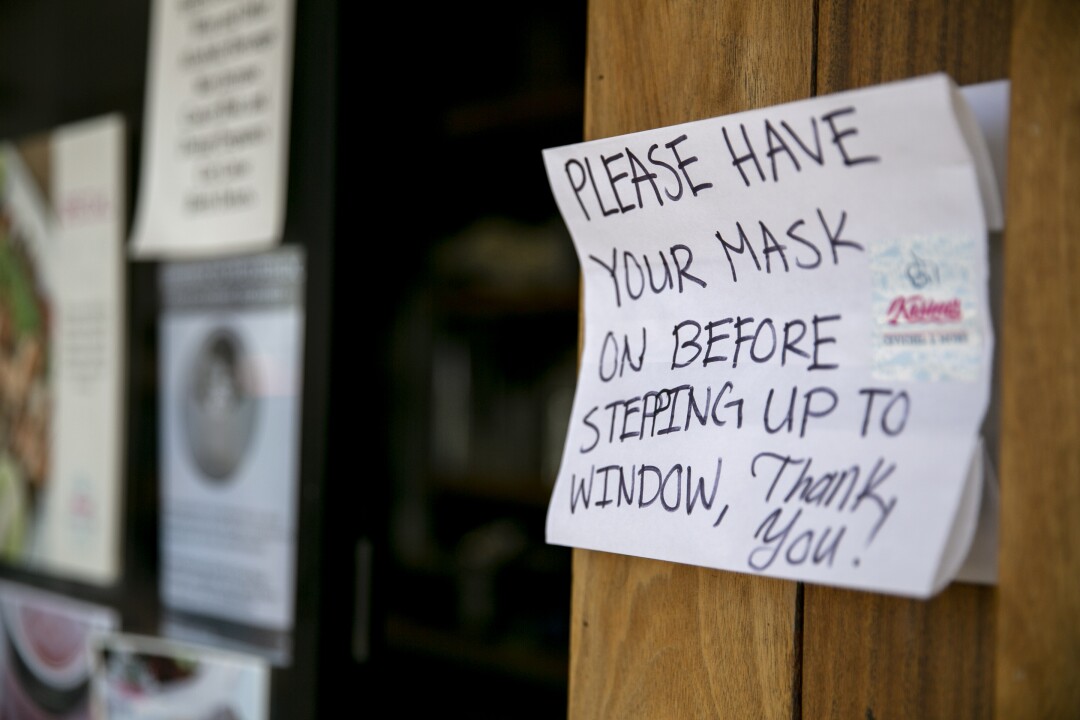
<point x="660" y="640"/>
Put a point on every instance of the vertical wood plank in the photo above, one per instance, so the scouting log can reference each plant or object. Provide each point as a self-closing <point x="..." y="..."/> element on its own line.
<point x="1038" y="622"/>
<point x="650" y="64"/>
<point x="651" y="639"/>
<point x="869" y="655"/>
<point x="863" y="42"/>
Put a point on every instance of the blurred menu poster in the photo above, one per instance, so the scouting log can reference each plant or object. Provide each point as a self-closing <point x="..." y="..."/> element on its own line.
<point x="219" y="89"/>
<point x="45" y="644"/>
<point x="62" y="294"/>
<point x="231" y="357"/>
<point x="138" y="677"/>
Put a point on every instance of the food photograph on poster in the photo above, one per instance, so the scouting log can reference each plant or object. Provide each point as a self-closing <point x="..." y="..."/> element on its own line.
<point x="137" y="677"/>
<point x="45" y="669"/>
<point x="61" y="366"/>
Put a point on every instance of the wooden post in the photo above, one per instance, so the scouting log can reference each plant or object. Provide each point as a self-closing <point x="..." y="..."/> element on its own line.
<point x="651" y="639"/>
<point x="1038" y="621"/>
<point x="867" y="655"/>
<point x="660" y="640"/>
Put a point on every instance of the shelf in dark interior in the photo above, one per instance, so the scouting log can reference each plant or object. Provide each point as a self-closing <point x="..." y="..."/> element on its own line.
<point x="534" y="108"/>
<point x="479" y="300"/>
<point x="503" y="656"/>
<point x="528" y="491"/>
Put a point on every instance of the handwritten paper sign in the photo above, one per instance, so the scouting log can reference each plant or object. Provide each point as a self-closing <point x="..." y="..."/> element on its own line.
<point x="217" y="127"/>
<point x="787" y="339"/>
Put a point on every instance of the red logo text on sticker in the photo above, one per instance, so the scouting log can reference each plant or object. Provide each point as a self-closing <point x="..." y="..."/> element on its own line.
<point x="919" y="309"/>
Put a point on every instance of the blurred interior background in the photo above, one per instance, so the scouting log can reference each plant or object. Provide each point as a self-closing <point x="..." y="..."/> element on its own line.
<point x="441" y="354"/>
<point x="482" y="348"/>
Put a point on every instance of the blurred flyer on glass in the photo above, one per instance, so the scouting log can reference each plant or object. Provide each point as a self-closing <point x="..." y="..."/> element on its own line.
<point x="215" y="164"/>
<point x="62" y="295"/>
<point x="231" y="356"/>
<point x="45" y="642"/>
<point x="138" y="677"/>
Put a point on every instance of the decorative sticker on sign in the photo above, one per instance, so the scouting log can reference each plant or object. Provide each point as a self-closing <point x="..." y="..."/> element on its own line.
<point x="926" y="304"/>
<point x="787" y="346"/>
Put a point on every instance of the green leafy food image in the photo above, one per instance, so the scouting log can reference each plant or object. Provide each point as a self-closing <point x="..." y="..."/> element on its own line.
<point x="17" y="289"/>
<point x="12" y="508"/>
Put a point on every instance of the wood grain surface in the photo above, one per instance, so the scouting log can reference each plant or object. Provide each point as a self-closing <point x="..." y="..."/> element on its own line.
<point x="864" y="42"/>
<point x="1038" y="626"/>
<point x="867" y="655"/>
<point x="652" y="639"/>
<point x="650" y="64"/>
<point x="658" y="640"/>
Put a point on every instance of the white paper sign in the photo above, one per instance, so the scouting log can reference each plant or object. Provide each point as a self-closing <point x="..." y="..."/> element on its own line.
<point x="214" y="169"/>
<point x="787" y="339"/>
<point x="231" y="376"/>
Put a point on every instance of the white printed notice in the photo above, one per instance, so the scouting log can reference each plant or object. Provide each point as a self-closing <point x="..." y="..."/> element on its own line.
<point x="214" y="170"/>
<point x="231" y="388"/>
<point x="787" y="341"/>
